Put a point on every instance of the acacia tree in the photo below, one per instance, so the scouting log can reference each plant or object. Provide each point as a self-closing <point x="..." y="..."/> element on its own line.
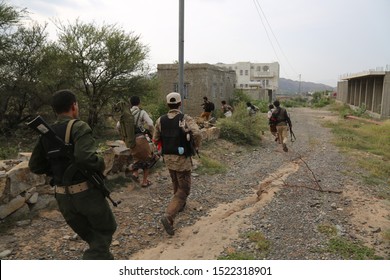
<point x="106" y="62"/>
<point x="21" y="70"/>
<point x="9" y="17"/>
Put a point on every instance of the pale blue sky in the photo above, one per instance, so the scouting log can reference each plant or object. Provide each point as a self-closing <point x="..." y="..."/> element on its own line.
<point x="319" y="39"/>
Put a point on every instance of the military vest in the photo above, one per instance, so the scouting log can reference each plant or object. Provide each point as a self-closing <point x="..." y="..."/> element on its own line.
<point x="281" y="115"/>
<point x="60" y="162"/>
<point x="172" y="135"/>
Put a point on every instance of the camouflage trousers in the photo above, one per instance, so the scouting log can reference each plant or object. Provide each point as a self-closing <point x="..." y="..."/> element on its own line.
<point x="181" y="181"/>
<point x="89" y="215"/>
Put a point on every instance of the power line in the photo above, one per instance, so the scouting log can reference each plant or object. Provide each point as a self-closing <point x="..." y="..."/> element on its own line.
<point x="266" y="31"/>
<point x="258" y="6"/>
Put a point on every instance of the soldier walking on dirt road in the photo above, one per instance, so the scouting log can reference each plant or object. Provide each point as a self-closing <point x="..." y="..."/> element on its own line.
<point x="174" y="131"/>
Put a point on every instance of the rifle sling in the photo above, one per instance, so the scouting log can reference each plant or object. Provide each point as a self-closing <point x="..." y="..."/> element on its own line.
<point x="68" y="130"/>
<point x="72" y="169"/>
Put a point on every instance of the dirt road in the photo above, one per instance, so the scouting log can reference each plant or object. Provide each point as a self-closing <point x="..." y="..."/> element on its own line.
<point x="265" y="190"/>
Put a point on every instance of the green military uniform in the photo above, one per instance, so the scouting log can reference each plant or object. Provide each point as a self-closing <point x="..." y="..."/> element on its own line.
<point x="87" y="211"/>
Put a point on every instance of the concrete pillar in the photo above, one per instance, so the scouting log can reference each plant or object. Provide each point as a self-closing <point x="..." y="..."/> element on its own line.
<point x="370" y="93"/>
<point x="363" y="91"/>
<point x="386" y="96"/>
<point x="378" y="89"/>
<point x="355" y="92"/>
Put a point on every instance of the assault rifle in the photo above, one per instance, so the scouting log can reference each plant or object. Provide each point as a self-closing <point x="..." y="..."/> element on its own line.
<point x="66" y="150"/>
<point x="191" y="144"/>
<point x="293" y="138"/>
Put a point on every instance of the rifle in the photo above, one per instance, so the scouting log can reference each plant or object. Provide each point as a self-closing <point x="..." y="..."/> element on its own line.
<point x="191" y="144"/>
<point x="293" y="138"/>
<point x="66" y="149"/>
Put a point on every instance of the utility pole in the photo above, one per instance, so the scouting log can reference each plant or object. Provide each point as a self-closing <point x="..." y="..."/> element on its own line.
<point x="181" y="52"/>
<point x="299" y="90"/>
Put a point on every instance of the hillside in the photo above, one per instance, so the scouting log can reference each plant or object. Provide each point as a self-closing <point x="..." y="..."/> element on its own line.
<point x="287" y="86"/>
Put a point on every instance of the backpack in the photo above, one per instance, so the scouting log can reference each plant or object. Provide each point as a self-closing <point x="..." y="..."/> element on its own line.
<point x="212" y="106"/>
<point x="281" y="116"/>
<point x="175" y="139"/>
<point x="126" y="124"/>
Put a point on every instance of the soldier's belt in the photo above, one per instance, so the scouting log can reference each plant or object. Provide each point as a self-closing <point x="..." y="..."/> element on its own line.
<point x="72" y="189"/>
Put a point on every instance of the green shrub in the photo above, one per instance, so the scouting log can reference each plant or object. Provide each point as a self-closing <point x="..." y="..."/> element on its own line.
<point x="210" y="166"/>
<point x="242" y="129"/>
<point x="8" y="152"/>
<point x="351" y="251"/>
<point x="295" y="102"/>
<point x="263" y="105"/>
<point x="259" y="239"/>
<point x="359" y="112"/>
<point x="239" y="96"/>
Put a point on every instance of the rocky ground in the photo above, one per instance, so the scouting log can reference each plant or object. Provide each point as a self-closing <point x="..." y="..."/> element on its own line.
<point x="290" y="198"/>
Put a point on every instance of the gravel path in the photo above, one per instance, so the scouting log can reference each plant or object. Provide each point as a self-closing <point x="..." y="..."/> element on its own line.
<point x="223" y="208"/>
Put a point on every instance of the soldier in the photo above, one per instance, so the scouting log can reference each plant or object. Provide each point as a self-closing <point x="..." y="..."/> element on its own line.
<point x="172" y="131"/>
<point x="227" y="110"/>
<point x="208" y="108"/>
<point x="282" y="119"/>
<point x="83" y="206"/>
<point x="141" y="152"/>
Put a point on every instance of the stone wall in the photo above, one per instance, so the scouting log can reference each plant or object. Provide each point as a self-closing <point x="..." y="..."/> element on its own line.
<point x="22" y="193"/>
<point x="199" y="80"/>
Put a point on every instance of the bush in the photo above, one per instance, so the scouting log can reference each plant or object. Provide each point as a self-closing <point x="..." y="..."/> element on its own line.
<point x="320" y="99"/>
<point x="239" y="97"/>
<point x="242" y="129"/>
<point x="210" y="166"/>
<point x="295" y="102"/>
<point x="8" y="152"/>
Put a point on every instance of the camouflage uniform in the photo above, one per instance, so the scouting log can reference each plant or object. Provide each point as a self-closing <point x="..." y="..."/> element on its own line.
<point x="179" y="167"/>
<point x="87" y="212"/>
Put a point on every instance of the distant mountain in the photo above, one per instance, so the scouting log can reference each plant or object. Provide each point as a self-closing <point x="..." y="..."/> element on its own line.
<point x="287" y="86"/>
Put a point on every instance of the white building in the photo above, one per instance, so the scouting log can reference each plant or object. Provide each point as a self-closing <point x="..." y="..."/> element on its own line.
<point x="256" y="79"/>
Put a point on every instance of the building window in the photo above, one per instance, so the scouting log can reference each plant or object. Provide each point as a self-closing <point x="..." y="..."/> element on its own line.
<point x="241" y="85"/>
<point x="258" y="68"/>
<point x="241" y="72"/>
<point x="265" y="68"/>
<point x="176" y="89"/>
<point x="246" y="72"/>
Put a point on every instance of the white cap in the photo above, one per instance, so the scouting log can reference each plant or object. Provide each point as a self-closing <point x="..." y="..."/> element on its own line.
<point x="173" y="98"/>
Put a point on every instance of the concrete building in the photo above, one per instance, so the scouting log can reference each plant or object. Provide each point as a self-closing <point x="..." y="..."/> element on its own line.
<point x="371" y="88"/>
<point x="259" y="80"/>
<point x="199" y="80"/>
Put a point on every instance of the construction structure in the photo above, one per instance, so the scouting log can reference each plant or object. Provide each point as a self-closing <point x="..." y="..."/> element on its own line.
<point x="199" y="80"/>
<point x="258" y="80"/>
<point x="369" y="89"/>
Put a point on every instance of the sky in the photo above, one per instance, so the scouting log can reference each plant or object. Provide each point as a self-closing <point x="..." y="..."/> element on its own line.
<point x="313" y="40"/>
